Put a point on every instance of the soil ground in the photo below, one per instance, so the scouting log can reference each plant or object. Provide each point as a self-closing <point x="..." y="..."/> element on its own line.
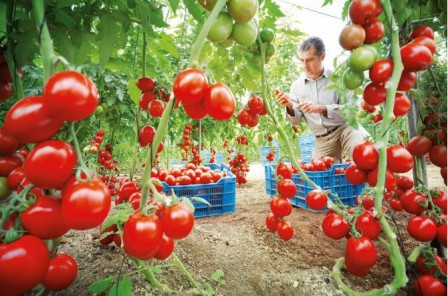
<point x="254" y="260"/>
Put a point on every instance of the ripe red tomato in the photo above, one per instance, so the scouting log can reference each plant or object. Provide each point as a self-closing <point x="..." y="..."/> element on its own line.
<point x="422" y="31"/>
<point x="427" y="285"/>
<point x="146" y="84"/>
<point x="372" y="178"/>
<point x="355" y="176"/>
<point x="367" y="201"/>
<point x="70" y="96"/>
<point x="374" y="94"/>
<point x="195" y="111"/>
<point x="190" y="86"/>
<point x="15" y="177"/>
<point x="360" y="10"/>
<point x="219" y="101"/>
<point x="285" y="230"/>
<point x="407" y="81"/>
<point x="361" y="252"/>
<point x="365" y="155"/>
<point x="430" y="265"/>
<point x="401" y="105"/>
<point x="29" y="121"/>
<point x="399" y="160"/>
<point x="438" y="155"/>
<point x="8" y="163"/>
<point x="426" y="41"/>
<point x="61" y="273"/>
<point x="126" y="190"/>
<point x="335" y="226"/>
<point x="411" y="202"/>
<point x="415" y="57"/>
<point x="286" y="188"/>
<point x="280" y="206"/>
<point x="50" y="164"/>
<point x="255" y="105"/>
<point x="146" y="135"/>
<point x="23" y="264"/>
<point x="271" y="222"/>
<point x="85" y="204"/>
<point x="166" y="248"/>
<point x="244" y="116"/>
<point x="316" y="200"/>
<point x="142" y="235"/>
<point x="404" y="183"/>
<point x="395" y="205"/>
<point x="8" y="144"/>
<point x="374" y="29"/>
<point x="381" y="71"/>
<point x="284" y="170"/>
<point x="253" y="120"/>
<point x="144" y="100"/>
<point x="155" y="108"/>
<point x="177" y="221"/>
<point x="44" y="219"/>
<point x="441" y="201"/>
<point x="419" y="145"/>
<point x="442" y="234"/>
<point x="422" y="228"/>
<point x="368" y="226"/>
<point x="354" y="269"/>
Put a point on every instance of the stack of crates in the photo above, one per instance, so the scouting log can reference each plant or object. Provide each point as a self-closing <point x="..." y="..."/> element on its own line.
<point x="336" y="183"/>
<point x="221" y="195"/>
<point x="306" y="146"/>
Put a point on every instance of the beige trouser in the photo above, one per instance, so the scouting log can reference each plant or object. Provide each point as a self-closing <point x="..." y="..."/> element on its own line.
<point x="339" y="143"/>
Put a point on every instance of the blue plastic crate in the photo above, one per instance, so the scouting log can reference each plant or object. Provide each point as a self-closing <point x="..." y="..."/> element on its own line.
<point x="220" y="195"/>
<point x="336" y="183"/>
<point x="264" y="151"/>
<point x="306" y="155"/>
<point x="306" y="139"/>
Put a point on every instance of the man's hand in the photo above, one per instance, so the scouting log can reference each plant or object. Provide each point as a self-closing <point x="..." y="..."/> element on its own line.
<point x="310" y="107"/>
<point x="282" y="99"/>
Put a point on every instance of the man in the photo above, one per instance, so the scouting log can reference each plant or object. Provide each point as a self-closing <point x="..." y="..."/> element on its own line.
<point x="310" y="98"/>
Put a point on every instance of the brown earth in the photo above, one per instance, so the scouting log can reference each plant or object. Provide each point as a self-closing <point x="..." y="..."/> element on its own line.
<point x="254" y="261"/>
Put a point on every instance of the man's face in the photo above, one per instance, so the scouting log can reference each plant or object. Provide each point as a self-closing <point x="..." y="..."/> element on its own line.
<point x="311" y="63"/>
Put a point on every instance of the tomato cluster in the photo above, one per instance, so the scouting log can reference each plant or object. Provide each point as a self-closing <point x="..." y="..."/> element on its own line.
<point x="280" y="205"/>
<point x="249" y="116"/>
<point x="153" y="99"/>
<point x="239" y="167"/>
<point x="320" y="164"/>
<point x="189" y="174"/>
<point x="234" y="24"/>
<point x="77" y="204"/>
<point x="200" y="99"/>
<point x="188" y="147"/>
<point x="152" y="235"/>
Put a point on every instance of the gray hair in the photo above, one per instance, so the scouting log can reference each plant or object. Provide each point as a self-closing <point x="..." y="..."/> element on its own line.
<point x="315" y="42"/>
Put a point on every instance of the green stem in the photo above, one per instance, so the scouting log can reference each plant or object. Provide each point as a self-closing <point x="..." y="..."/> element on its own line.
<point x="46" y="44"/>
<point x="76" y="144"/>
<point x="149" y="275"/>
<point x="182" y="268"/>
<point x="196" y="48"/>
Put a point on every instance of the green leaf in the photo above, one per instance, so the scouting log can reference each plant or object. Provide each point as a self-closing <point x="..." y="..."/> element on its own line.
<point x="273" y="9"/>
<point x="201" y="200"/>
<point x="122" y="288"/>
<point x="174" y="4"/>
<point x="194" y="9"/>
<point x="108" y="30"/>
<point x="218" y="276"/>
<point x="156" y="18"/>
<point x="63" y="44"/>
<point x="66" y="18"/>
<point x="248" y="81"/>
<point x="168" y="44"/>
<point x="84" y="47"/>
<point x="156" y="270"/>
<point x="2" y="17"/>
<point x="101" y="285"/>
<point x="131" y="4"/>
<point x="65" y="3"/>
<point x="133" y="91"/>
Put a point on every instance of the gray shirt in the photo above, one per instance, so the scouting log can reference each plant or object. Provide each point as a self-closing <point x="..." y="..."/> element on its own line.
<point x="306" y="89"/>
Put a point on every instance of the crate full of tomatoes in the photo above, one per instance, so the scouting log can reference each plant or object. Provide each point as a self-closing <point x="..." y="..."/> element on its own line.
<point x="330" y="177"/>
<point x="213" y="182"/>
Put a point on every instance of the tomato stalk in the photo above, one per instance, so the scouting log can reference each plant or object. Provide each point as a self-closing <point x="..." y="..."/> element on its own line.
<point x="149" y="275"/>
<point x="182" y="268"/>
<point x="196" y="47"/>
<point x="77" y="148"/>
<point x="46" y="44"/>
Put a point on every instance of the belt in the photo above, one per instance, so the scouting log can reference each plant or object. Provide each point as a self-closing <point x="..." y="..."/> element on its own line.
<point x="328" y="133"/>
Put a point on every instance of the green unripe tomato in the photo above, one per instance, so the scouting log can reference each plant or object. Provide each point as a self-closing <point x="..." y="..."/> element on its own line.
<point x="242" y="11"/>
<point x="229" y="42"/>
<point x="4" y="190"/>
<point x="99" y="109"/>
<point x="86" y="149"/>
<point x="244" y="34"/>
<point x="352" y="79"/>
<point x="221" y="28"/>
<point x="256" y="60"/>
<point x="254" y="48"/>
<point x="270" y="50"/>
<point x="267" y="35"/>
<point x="362" y="58"/>
<point x="362" y="114"/>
